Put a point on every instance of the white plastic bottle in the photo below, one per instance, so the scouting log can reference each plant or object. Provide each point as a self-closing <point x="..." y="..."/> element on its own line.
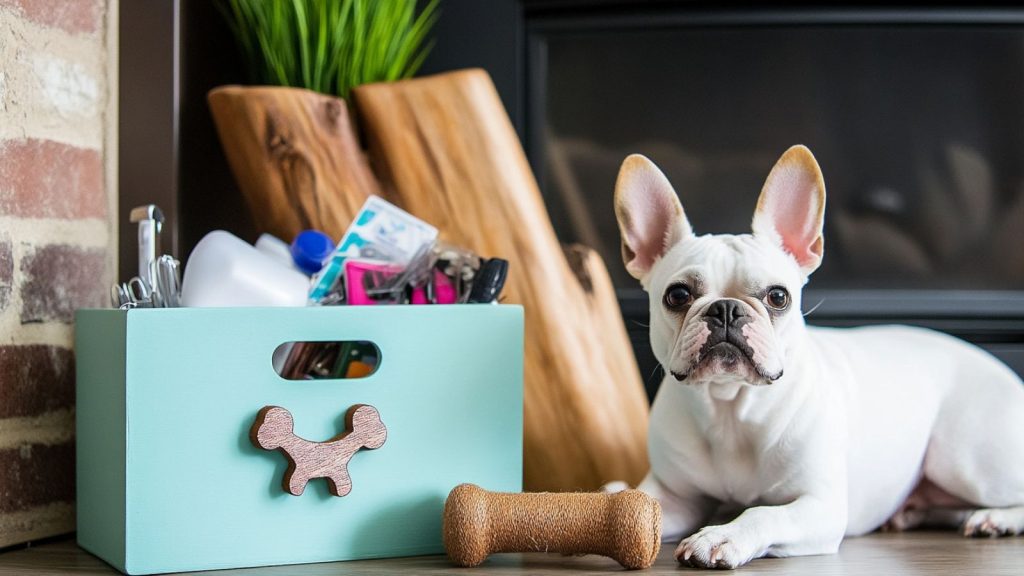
<point x="226" y="271"/>
<point x="276" y="248"/>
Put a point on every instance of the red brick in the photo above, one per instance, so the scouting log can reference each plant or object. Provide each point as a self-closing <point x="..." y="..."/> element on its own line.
<point x="36" y="474"/>
<point x="35" y="379"/>
<point x="47" y="179"/>
<point x="58" y="279"/>
<point x="6" y="272"/>
<point x="75" y="16"/>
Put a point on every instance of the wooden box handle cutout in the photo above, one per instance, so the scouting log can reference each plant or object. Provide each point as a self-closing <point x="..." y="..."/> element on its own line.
<point x="274" y="429"/>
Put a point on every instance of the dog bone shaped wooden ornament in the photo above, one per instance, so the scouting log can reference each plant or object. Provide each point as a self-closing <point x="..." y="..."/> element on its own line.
<point x="274" y="429"/>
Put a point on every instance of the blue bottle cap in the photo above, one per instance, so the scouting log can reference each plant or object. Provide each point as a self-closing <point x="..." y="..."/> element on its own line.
<point x="309" y="250"/>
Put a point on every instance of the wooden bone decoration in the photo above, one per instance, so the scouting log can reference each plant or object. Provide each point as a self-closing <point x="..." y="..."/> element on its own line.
<point x="625" y="526"/>
<point x="274" y="429"/>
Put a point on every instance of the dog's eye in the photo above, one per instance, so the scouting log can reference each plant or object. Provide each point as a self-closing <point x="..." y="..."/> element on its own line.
<point x="677" y="296"/>
<point x="777" y="298"/>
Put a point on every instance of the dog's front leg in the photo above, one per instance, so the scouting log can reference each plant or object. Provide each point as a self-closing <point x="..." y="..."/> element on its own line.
<point x="808" y="525"/>
<point x="681" y="513"/>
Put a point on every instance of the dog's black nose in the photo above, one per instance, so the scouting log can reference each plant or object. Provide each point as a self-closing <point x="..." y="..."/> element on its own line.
<point x="725" y="312"/>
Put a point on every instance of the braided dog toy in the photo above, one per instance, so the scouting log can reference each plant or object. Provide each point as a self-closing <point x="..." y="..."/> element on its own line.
<point x="625" y="526"/>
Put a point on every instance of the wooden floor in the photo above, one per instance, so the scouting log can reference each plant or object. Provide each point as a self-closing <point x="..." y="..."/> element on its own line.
<point x="878" y="554"/>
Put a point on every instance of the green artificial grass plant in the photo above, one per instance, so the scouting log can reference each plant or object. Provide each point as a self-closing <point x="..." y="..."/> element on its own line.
<point x="330" y="46"/>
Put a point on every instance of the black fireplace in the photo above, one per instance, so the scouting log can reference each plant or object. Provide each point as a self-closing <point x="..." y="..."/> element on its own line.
<point x="916" y="117"/>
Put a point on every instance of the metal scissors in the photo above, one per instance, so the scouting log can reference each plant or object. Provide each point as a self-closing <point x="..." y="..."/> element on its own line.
<point x="168" y="281"/>
<point x="135" y="293"/>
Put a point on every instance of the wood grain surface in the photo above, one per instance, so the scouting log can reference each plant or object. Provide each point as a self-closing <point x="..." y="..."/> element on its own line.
<point x="274" y="429"/>
<point x="444" y="149"/>
<point x="906" y="554"/>
<point x="295" y="157"/>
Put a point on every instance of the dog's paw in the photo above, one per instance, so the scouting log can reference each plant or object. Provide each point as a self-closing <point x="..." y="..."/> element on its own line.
<point x="713" y="547"/>
<point x="904" y="519"/>
<point x="994" y="522"/>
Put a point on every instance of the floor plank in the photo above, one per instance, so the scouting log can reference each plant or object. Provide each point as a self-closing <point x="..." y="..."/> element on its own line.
<point x="910" y="554"/>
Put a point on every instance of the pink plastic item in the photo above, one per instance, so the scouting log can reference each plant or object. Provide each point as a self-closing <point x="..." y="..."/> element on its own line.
<point x="356" y="282"/>
<point x="444" y="292"/>
<point x="356" y="272"/>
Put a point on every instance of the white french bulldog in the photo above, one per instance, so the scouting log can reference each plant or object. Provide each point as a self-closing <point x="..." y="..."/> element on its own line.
<point x="815" y="433"/>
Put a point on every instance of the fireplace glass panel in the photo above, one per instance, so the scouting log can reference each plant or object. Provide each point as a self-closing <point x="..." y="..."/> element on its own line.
<point x="919" y="132"/>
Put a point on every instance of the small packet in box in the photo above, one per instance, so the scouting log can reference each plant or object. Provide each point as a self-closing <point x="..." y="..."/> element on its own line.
<point x="381" y="231"/>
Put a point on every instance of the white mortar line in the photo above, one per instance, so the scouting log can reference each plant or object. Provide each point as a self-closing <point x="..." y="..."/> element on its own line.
<point x="47" y="429"/>
<point x="85" y="233"/>
<point x="45" y="333"/>
<point x="37" y="522"/>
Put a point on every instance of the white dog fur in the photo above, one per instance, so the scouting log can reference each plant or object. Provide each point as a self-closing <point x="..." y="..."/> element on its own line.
<point x="814" y="433"/>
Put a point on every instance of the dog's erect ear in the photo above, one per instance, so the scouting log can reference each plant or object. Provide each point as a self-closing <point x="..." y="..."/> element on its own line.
<point x="651" y="219"/>
<point x="791" y="209"/>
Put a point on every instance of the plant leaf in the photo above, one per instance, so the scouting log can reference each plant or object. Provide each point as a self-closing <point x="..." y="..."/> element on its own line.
<point x="330" y="45"/>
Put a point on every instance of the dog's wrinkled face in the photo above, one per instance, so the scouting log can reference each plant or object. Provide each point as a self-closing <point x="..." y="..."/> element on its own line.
<point x="723" y="307"/>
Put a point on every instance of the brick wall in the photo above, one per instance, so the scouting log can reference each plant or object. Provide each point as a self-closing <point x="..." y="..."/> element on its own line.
<point x="57" y="239"/>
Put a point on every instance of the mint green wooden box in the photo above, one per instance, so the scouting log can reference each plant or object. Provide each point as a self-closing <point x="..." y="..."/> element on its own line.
<point x="168" y="480"/>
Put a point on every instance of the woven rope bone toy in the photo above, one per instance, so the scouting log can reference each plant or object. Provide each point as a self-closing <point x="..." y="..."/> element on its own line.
<point x="625" y="526"/>
<point x="274" y="429"/>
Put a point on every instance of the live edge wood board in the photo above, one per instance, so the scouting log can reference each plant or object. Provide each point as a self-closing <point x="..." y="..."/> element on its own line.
<point x="295" y="157"/>
<point x="443" y="148"/>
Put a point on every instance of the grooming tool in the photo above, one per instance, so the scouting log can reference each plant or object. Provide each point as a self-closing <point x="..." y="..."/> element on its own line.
<point x="140" y="292"/>
<point x="134" y="293"/>
<point x="459" y="266"/>
<point x="489" y="281"/>
<point x="119" y="297"/>
<point x="150" y="219"/>
<point x="168" y="281"/>
<point x="364" y="280"/>
<point x="439" y="290"/>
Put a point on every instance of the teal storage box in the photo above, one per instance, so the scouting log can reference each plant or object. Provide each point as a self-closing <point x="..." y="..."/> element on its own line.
<point x="168" y="479"/>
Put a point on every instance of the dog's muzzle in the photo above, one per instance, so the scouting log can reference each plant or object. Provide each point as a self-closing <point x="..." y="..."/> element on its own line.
<point x="725" y="320"/>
